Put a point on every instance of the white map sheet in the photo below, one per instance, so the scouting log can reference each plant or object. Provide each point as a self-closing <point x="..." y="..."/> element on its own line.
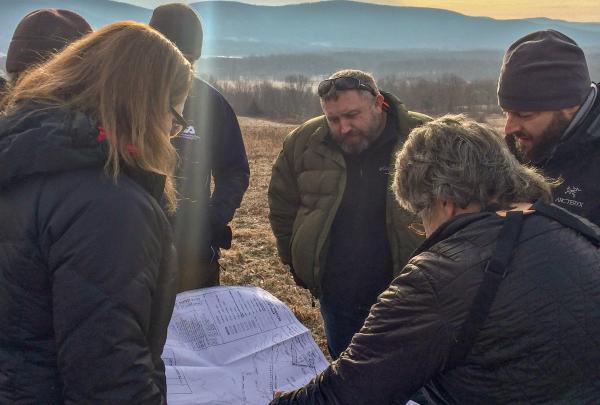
<point x="236" y="346"/>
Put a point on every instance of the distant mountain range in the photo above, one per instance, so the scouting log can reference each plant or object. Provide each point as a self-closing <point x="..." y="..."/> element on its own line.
<point x="315" y="39"/>
<point x="238" y="29"/>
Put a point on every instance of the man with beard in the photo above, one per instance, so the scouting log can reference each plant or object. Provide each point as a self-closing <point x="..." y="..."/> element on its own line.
<point x="552" y="113"/>
<point x="332" y="211"/>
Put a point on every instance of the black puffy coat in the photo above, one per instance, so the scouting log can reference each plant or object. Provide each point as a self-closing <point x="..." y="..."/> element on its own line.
<point x="87" y="283"/>
<point x="539" y="344"/>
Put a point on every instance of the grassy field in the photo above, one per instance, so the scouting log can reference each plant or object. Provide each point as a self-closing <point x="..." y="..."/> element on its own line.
<point x="252" y="259"/>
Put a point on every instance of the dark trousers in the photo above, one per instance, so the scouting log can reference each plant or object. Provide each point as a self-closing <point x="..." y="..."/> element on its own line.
<point x="341" y="323"/>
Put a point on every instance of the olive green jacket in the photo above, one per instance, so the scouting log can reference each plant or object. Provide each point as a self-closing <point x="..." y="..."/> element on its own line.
<point x="306" y="188"/>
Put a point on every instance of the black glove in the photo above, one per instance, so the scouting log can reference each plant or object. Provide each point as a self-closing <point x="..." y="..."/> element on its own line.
<point x="222" y="237"/>
<point x="297" y="280"/>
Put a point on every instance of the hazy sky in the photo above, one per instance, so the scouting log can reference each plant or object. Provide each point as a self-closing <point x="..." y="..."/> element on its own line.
<point x="570" y="10"/>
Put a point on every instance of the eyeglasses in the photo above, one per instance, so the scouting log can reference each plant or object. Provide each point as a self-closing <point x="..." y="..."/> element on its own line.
<point x="343" y="83"/>
<point x="417" y="226"/>
<point x="178" y="125"/>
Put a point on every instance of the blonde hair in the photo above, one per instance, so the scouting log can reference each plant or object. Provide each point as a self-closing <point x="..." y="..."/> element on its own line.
<point x="126" y="76"/>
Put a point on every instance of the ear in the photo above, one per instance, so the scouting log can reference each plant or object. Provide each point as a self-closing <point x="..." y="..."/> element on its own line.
<point x="379" y="101"/>
<point x="448" y="208"/>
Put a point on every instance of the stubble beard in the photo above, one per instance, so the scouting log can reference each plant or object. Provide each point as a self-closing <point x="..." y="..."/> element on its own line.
<point x="546" y="143"/>
<point x="366" y="137"/>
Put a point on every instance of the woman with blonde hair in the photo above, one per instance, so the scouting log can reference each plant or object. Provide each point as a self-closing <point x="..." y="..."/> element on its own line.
<point x="87" y="283"/>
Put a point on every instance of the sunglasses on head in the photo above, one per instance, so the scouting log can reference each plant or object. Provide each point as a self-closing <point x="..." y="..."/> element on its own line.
<point x="343" y="83"/>
<point x="178" y="125"/>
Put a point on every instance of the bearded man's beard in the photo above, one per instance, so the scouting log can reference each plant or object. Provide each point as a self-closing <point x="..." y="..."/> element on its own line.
<point x="365" y="138"/>
<point x="546" y="141"/>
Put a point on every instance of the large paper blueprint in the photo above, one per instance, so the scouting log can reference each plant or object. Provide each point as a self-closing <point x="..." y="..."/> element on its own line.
<point x="236" y="345"/>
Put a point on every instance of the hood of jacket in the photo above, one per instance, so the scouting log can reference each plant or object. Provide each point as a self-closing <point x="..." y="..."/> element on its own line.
<point x="39" y="139"/>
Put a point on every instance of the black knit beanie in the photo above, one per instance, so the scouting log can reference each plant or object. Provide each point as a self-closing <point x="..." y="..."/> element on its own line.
<point x="180" y="24"/>
<point x="41" y="33"/>
<point x="543" y="71"/>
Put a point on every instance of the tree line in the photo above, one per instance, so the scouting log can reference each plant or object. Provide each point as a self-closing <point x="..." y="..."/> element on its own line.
<point x="294" y="98"/>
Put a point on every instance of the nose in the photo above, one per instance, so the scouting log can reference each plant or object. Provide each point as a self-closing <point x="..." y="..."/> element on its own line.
<point x="512" y="124"/>
<point x="345" y="126"/>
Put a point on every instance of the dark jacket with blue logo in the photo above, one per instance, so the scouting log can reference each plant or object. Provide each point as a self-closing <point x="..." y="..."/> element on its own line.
<point x="211" y="146"/>
<point x="87" y="281"/>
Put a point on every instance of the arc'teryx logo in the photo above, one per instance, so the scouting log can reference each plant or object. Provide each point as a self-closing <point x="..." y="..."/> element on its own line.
<point x="572" y="191"/>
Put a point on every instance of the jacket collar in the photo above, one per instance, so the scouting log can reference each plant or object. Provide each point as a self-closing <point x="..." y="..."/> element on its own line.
<point x="584" y="131"/>
<point x="153" y="183"/>
<point x="588" y="124"/>
<point x="583" y="111"/>
<point x="450" y="227"/>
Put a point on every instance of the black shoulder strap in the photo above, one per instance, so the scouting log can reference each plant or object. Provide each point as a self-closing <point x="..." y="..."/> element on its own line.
<point x="497" y="268"/>
<point x="495" y="271"/>
<point x="567" y="219"/>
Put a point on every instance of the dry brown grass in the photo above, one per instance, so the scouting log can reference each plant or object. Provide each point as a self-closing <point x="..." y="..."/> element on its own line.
<point x="252" y="259"/>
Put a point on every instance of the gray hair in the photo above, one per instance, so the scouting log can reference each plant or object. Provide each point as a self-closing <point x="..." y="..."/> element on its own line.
<point x="457" y="159"/>
<point x="364" y="77"/>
